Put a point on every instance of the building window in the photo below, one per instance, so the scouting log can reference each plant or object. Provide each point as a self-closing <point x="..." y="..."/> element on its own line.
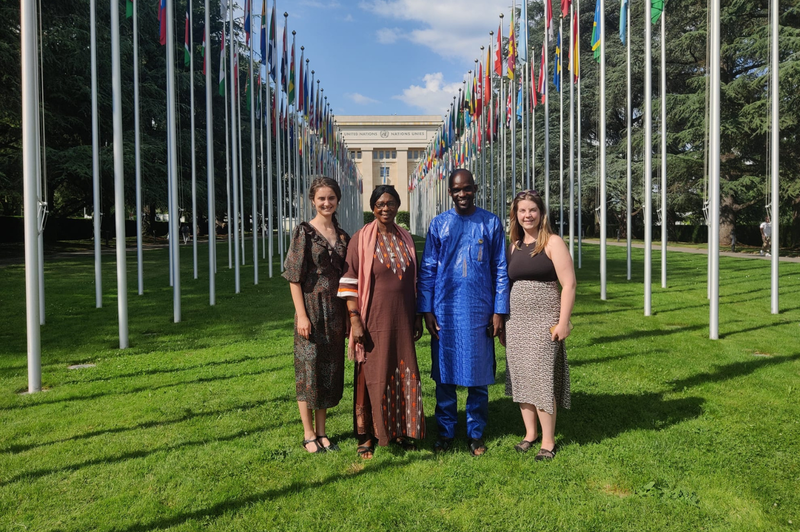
<point x="375" y="155"/>
<point x="358" y="155"/>
<point x="394" y="155"/>
<point x="385" y="175"/>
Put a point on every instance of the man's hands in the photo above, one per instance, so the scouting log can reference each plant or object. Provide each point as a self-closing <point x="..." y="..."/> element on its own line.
<point x="418" y="327"/>
<point x="432" y="325"/>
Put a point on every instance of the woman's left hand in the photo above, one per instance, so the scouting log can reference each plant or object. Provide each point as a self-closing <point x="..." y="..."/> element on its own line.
<point x="560" y="332"/>
<point x="418" y="327"/>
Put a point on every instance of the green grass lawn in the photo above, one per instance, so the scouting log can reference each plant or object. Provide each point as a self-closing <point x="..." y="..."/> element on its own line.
<point x="195" y="427"/>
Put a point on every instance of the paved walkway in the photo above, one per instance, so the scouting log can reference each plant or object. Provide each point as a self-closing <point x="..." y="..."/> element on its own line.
<point x="684" y="249"/>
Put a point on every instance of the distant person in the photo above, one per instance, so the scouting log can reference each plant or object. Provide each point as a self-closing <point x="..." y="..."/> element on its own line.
<point x="379" y="285"/>
<point x="314" y="265"/>
<point x="538" y="322"/>
<point x="766" y="236"/>
<point x="186" y="233"/>
<point x="463" y="293"/>
<point x="733" y="240"/>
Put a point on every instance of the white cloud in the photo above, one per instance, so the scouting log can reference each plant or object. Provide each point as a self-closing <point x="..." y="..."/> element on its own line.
<point x="320" y="5"/>
<point x="360" y="99"/>
<point x="348" y="18"/>
<point x="451" y="28"/>
<point x="388" y="35"/>
<point x="434" y="97"/>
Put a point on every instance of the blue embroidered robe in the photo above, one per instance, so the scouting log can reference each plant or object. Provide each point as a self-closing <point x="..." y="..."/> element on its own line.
<point x="463" y="280"/>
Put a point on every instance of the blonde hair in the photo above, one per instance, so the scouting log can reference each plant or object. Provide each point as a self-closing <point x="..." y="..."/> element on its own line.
<point x="516" y="233"/>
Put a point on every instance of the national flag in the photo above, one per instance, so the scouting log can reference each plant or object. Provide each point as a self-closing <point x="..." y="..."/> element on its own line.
<point x="285" y="57"/>
<point x="574" y="51"/>
<point x="187" y="37"/>
<point x="162" y="22"/>
<point x="263" y="40"/>
<point x="223" y="10"/>
<point x="487" y="86"/>
<point x="512" y="49"/>
<point x="310" y="106"/>
<point x="623" y="19"/>
<point x="565" y="7"/>
<point x="542" y="86"/>
<point x="656" y="8"/>
<point x="596" y="32"/>
<point x="498" y="52"/>
<point x="128" y="8"/>
<point x="305" y="93"/>
<point x="522" y="41"/>
<point x="222" y="67"/>
<point x="204" y="51"/>
<point x="291" y="77"/>
<point x="534" y="100"/>
<point x="273" y="46"/>
<point x="508" y="110"/>
<point x="479" y="92"/>
<point x="548" y="20"/>
<point x="247" y="9"/>
<point x="301" y="89"/>
<point x="519" y="102"/>
<point x="557" y="65"/>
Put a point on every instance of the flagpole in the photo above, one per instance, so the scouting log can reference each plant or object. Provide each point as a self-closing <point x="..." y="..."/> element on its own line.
<point x="268" y="127"/>
<point x="137" y="148"/>
<point x="561" y="127"/>
<point x="194" y="161"/>
<point x="578" y="162"/>
<point x="253" y="184"/>
<point x="571" y="131"/>
<point x="234" y="95"/>
<point x="279" y="170"/>
<point x="211" y="193"/>
<point x="491" y="129"/>
<point x="648" y="158"/>
<point x="603" y="202"/>
<point x="546" y="129"/>
<point x="629" y="180"/>
<point x="30" y="162"/>
<point x="263" y="218"/>
<point x="663" y="150"/>
<point x="227" y="151"/>
<point x="240" y="168"/>
<point x="96" y="215"/>
<point x="714" y="168"/>
<point x="172" y="149"/>
<point x="774" y="158"/>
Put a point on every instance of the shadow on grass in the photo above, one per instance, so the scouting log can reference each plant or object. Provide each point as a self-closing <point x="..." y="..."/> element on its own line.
<point x="633" y="335"/>
<point x="293" y="489"/>
<point x="596" y="417"/>
<point x="186" y="416"/>
<point x="731" y="371"/>
<point x="140" y="389"/>
<point x="131" y="455"/>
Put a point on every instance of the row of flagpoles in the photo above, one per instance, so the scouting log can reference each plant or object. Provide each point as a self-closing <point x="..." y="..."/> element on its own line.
<point x="294" y="122"/>
<point x="503" y="91"/>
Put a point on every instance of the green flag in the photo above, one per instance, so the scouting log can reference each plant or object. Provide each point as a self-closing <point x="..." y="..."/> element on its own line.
<point x="128" y="8"/>
<point x="656" y="8"/>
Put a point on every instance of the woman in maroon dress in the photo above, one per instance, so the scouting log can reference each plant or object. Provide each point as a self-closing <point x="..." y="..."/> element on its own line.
<point x="379" y="285"/>
<point x="314" y="264"/>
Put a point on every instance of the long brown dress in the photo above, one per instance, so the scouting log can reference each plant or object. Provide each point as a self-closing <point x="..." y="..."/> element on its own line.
<point x="319" y="360"/>
<point x="388" y="396"/>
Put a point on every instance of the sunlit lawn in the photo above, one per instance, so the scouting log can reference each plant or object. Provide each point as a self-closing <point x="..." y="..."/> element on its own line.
<point x="195" y="426"/>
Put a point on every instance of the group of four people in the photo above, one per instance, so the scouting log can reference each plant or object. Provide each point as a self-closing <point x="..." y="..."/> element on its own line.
<point x="467" y="288"/>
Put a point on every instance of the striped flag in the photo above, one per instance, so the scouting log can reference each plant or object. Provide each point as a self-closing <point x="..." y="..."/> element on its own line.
<point x="162" y="22"/>
<point x="542" y="86"/>
<point x="187" y="36"/>
<point x="222" y="67"/>
<point x="263" y="42"/>
<point x="574" y="51"/>
<point x="596" y="32"/>
<point x="247" y="9"/>
<point x="273" y="47"/>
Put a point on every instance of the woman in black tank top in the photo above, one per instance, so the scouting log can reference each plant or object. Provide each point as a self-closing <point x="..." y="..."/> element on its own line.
<point x="536" y="358"/>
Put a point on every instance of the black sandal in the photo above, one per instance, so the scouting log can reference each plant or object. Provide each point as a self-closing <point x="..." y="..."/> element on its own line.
<point x="546" y="454"/>
<point x="315" y="441"/>
<point x="406" y="444"/>
<point x="442" y="445"/>
<point x="476" y="446"/>
<point x="366" y="448"/>
<point x="330" y="448"/>
<point x="525" y="445"/>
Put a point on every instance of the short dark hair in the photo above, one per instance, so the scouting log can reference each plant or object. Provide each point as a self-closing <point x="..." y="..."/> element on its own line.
<point x="457" y="171"/>
<point x="379" y="191"/>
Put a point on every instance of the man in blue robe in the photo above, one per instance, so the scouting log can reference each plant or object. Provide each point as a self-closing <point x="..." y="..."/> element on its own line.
<point x="462" y="289"/>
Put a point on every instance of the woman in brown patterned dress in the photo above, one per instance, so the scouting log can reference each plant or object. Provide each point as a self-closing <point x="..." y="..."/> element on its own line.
<point x="314" y="264"/>
<point x="379" y="285"/>
<point x="536" y="359"/>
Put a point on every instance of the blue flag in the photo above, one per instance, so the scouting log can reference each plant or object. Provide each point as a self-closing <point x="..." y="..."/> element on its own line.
<point x="623" y="19"/>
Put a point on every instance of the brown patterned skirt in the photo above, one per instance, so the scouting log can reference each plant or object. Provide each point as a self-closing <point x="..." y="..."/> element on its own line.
<point x="537" y="372"/>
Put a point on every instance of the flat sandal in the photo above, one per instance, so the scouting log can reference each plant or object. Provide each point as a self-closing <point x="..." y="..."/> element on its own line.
<point x="315" y="441"/>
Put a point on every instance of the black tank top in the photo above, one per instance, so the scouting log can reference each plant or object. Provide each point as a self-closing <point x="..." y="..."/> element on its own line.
<point x="523" y="267"/>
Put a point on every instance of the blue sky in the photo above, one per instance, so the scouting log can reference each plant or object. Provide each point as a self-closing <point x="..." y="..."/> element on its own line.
<point x="388" y="57"/>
